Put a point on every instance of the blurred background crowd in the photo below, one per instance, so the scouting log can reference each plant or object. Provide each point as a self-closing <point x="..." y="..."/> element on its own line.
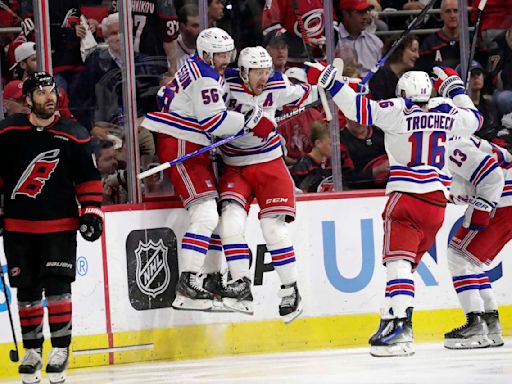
<point x="88" y="64"/>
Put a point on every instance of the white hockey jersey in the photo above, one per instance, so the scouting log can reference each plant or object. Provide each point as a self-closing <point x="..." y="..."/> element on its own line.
<point x="193" y="106"/>
<point x="278" y="91"/>
<point x="479" y="169"/>
<point x="414" y="138"/>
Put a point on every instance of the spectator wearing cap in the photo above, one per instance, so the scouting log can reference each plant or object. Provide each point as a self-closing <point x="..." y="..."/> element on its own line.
<point x="14" y="101"/>
<point x="26" y="60"/>
<point x="277" y="48"/>
<point x="353" y="35"/>
<point x="383" y="83"/>
<point x="442" y="47"/>
<point x="484" y="103"/>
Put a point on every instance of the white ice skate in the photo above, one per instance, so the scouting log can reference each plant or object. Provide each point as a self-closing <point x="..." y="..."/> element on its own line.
<point x="57" y="364"/>
<point x="30" y="367"/>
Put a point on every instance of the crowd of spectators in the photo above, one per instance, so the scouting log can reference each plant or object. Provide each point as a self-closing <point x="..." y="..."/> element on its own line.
<point x="87" y="61"/>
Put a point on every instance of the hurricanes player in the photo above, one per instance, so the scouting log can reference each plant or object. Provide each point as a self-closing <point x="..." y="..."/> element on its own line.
<point x="416" y="129"/>
<point x="194" y="114"/>
<point x="482" y="179"/>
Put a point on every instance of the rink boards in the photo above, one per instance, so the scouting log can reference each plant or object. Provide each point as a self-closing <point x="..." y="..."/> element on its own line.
<point x="125" y="285"/>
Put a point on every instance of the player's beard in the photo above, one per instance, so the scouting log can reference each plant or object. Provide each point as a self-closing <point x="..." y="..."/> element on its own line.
<point x="43" y="111"/>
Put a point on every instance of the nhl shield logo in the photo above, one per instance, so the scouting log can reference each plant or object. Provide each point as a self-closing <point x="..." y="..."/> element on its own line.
<point x="153" y="273"/>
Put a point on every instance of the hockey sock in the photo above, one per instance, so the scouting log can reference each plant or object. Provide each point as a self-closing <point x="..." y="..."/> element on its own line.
<point x="213" y="261"/>
<point x="487" y="295"/>
<point x="280" y="247"/>
<point x="59" y="316"/>
<point x="31" y="320"/>
<point x="467" y="278"/>
<point x="399" y="286"/>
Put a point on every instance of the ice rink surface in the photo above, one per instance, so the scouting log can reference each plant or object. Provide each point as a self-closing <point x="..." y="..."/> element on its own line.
<point x="432" y="364"/>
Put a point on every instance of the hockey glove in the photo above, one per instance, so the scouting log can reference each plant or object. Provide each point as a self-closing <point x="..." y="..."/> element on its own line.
<point x="478" y="214"/>
<point x="447" y="82"/>
<point x="321" y="74"/>
<point x="258" y="124"/>
<point x="91" y="223"/>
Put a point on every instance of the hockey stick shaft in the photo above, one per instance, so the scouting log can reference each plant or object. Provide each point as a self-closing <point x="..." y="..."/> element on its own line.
<point x="481" y="7"/>
<point x="13" y="354"/>
<point x="307" y="46"/>
<point x="7" y="9"/>
<point x="397" y="42"/>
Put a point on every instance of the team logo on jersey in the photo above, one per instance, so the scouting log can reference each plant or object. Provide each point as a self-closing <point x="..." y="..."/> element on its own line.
<point x="313" y="23"/>
<point x="152" y="268"/>
<point x="34" y="177"/>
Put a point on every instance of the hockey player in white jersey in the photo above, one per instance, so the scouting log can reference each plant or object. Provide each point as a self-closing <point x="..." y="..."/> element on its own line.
<point x="193" y="114"/>
<point x="416" y="130"/>
<point x="255" y="169"/>
<point x="482" y="180"/>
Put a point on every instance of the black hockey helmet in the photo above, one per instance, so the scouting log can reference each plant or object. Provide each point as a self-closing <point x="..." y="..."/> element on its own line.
<point x="36" y="80"/>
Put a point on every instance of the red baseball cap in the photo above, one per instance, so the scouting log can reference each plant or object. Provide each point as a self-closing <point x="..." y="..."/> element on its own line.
<point x="358" y="5"/>
<point x="13" y="90"/>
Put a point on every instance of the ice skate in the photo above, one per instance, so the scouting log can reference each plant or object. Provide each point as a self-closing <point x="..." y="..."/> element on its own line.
<point x="30" y="367"/>
<point x="190" y="294"/>
<point x="471" y="335"/>
<point x="214" y="283"/>
<point x="492" y="320"/>
<point x="291" y="302"/>
<point x="395" y="339"/>
<point x="237" y="296"/>
<point x="57" y="364"/>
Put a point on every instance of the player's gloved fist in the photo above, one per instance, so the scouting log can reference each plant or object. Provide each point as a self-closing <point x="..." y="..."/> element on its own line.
<point x="258" y="123"/>
<point x="91" y="223"/>
<point x="321" y="74"/>
<point x="478" y="214"/>
<point x="447" y="82"/>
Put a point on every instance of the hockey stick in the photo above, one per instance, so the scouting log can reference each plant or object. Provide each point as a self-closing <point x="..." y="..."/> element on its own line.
<point x="481" y="6"/>
<point x="9" y="10"/>
<point x="307" y="46"/>
<point x="397" y="42"/>
<point x="13" y="353"/>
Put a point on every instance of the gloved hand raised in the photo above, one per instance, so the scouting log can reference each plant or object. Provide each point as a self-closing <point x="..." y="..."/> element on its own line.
<point x="91" y="223"/>
<point x="447" y="82"/>
<point x="321" y="74"/>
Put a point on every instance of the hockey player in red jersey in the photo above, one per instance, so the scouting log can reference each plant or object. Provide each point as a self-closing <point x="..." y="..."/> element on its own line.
<point x="45" y="167"/>
<point x="193" y="115"/>
<point x="416" y="129"/>
<point x="482" y="180"/>
<point x="255" y="169"/>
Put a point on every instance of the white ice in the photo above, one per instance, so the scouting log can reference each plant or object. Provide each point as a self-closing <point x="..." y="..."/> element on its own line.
<point x="432" y="364"/>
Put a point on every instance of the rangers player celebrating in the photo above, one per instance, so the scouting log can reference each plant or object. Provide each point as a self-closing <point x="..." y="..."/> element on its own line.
<point x="482" y="179"/>
<point x="255" y="169"/>
<point x="193" y="114"/>
<point x="416" y="129"/>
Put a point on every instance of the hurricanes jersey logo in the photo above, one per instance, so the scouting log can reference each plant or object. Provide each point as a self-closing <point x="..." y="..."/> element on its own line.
<point x="36" y="174"/>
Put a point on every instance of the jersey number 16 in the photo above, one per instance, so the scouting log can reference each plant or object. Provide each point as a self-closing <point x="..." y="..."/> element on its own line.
<point x="427" y="149"/>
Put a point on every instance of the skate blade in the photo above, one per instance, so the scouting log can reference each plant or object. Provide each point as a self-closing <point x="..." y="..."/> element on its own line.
<point x="293" y="315"/>
<point x="473" y="342"/>
<point x="218" y="306"/>
<point x="31" y="378"/>
<point x="496" y="340"/>
<point x="183" y="303"/>
<point x="56" y="378"/>
<point x="395" y="350"/>
<point x="242" y="306"/>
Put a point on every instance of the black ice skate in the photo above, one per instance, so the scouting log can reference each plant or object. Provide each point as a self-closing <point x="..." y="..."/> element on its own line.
<point x="386" y="318"/>
<point x="471" y="335"/>
<point x="237" y="296"/>
<point x="492" y="320"/>
<point x="291" y="302"/>
<point x="30" y="367"/>
<point x="57" y="364"/>
<point x="395" y="339"/>
<point x="190" y="294"/>
<point x="215" y="284"/>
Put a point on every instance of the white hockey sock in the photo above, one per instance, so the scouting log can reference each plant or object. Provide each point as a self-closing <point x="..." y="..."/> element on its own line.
<point x="487" y="295"/>
<point x="213" y="260"/>
<point x="467" y="278"/>
<point x="399" y="286"/>
<point x="237" y="256"/>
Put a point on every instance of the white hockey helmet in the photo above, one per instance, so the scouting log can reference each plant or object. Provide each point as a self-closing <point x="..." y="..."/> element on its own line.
<point x="416" y="85"/>
<point x="215" y="40"/>
<point x="253" y="57"/>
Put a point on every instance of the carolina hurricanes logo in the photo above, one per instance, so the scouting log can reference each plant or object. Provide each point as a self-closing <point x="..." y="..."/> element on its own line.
<point x="36" y="174"/>
<point x="313" y="23"/>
